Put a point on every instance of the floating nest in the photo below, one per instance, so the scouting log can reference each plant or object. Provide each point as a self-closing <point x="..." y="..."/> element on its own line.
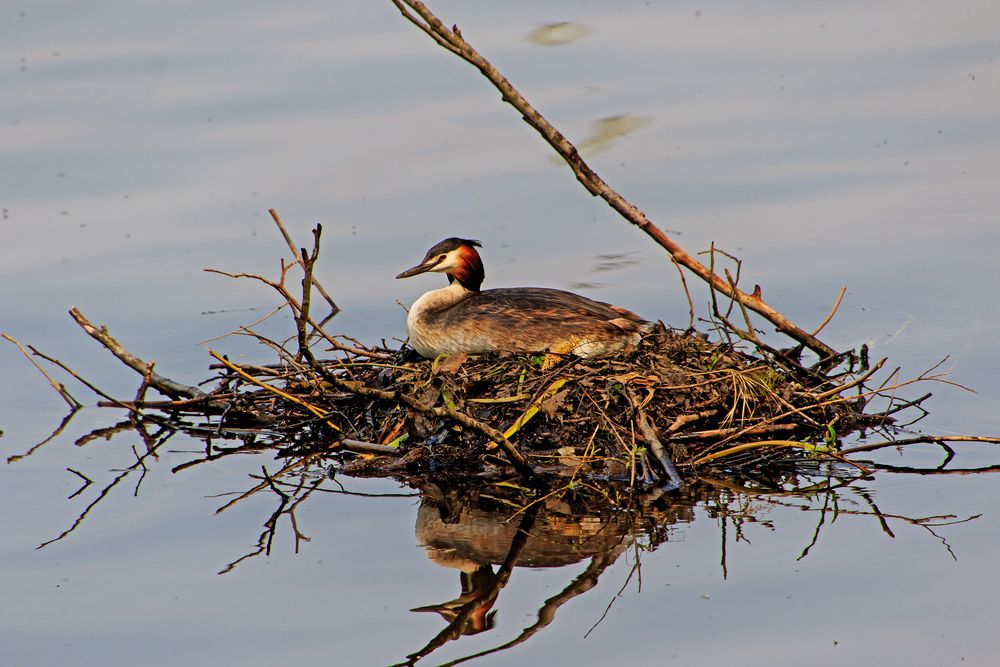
<point x="676" y="406"/>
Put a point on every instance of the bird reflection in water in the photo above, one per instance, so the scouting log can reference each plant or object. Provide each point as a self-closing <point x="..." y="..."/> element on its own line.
<point x="484" y="536"/>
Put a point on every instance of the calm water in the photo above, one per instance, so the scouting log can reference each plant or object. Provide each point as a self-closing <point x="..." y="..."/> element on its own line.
<point x="850" y="144"/>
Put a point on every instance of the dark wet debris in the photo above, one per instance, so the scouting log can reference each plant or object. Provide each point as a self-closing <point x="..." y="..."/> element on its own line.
<point x="678" y="398"/>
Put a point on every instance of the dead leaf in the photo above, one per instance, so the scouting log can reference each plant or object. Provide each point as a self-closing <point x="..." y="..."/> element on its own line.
<point x="449" y="364"/>
<point x="550" y="406"/>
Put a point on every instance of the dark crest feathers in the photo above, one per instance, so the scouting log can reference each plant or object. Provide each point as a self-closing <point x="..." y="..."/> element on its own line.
<point x="450" y="244"/>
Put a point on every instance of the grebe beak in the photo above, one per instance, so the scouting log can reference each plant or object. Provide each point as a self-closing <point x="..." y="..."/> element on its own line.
<point x="419" y="268"/>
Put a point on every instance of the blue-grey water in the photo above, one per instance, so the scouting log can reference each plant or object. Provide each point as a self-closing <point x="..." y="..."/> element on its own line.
<point x="826" y="144"/>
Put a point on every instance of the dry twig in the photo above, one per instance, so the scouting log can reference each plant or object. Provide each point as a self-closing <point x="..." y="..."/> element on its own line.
<point x="452" y="40"/>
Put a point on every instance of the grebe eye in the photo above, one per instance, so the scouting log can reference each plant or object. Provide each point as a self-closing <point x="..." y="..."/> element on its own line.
<point x="441" y="258"/>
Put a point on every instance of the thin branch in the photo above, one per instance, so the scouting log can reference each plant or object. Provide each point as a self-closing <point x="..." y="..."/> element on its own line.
<point x="113" y="402"/>
<point x="858" y="381"/>
<point x="833" y="311"/>
<point x="58" y="386"/>
<point x="649" y="435"/>
<point x="298" y="257"/>
<point x="452" y="40"/>
<point x="163" y="385"/>
<point x="308" y="262"/>
<point x="687" y="292"/>
<point x="922" y="439"/>
<point x="296" y="308"/>
<point x="274" y="390"/>
<point x="369" y="447"/>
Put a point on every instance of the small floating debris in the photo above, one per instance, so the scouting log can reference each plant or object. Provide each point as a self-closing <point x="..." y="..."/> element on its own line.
<point x="606" y="132"/>
<point x="559" y="33"/>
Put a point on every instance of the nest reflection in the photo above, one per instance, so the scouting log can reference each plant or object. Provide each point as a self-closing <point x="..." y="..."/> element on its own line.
<point x="484" y="528"/>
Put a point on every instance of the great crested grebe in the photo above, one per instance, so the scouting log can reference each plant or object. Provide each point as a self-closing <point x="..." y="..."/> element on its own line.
<point x="461" y="318"/>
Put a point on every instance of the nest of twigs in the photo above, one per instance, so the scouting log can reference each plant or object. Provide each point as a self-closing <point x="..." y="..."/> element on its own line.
<point x="677" y="403"/>
<point x="677" y="406"/>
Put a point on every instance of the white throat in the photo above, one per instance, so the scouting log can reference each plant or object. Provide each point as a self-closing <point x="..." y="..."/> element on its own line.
<point x="435" y="301"/>
<point x="425" y="337"/>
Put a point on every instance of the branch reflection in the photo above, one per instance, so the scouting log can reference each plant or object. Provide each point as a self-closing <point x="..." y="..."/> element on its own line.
<point x="484" y="528"/>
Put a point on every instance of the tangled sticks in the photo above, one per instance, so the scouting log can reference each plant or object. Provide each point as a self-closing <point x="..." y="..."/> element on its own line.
<point x="677" y="405"/>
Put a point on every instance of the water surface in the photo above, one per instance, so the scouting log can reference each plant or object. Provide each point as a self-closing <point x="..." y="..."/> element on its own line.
<point x="852" y="144"/>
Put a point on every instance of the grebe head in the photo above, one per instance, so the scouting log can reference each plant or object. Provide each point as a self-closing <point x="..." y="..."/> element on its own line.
<point x="457" y="258"/>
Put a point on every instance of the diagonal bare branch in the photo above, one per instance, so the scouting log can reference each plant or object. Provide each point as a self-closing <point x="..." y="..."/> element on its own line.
<point x="452" y="40"/>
